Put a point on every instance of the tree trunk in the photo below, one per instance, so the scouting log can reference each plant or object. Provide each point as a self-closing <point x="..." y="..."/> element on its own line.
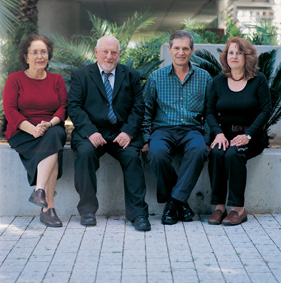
<point x="29" y="14"/>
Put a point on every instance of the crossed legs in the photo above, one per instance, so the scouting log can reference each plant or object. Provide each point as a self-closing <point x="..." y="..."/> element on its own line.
<point x="47" y="173"/>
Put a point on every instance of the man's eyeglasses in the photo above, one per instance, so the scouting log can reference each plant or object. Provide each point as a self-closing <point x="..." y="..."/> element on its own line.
<point x="35" y="53"/>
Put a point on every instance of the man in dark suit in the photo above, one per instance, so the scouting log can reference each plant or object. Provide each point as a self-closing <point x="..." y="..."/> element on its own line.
<point x="106" y="107"/>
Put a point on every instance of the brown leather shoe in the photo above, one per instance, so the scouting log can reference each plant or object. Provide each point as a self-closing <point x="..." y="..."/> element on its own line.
<point x="39" y="198"/>
<point x="233" y="218"/>
<point x="50" y="218"/>
<point x="217" y="217"/>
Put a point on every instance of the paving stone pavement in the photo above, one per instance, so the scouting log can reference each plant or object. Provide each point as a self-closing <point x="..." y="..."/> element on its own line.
<point x="114" y="251"/>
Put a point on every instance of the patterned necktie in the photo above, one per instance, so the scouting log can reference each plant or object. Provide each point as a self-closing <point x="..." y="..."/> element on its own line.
<point x="111" y="116"/>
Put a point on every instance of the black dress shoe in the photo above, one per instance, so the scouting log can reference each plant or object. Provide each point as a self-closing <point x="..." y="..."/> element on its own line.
<point x="39" y="198"/>
<point x="50" y="218"/>
<point x="141" y="223"/>
<point x="88" y="219"/>
<point x="185" y="213"/>
<point x="170" y="213"/>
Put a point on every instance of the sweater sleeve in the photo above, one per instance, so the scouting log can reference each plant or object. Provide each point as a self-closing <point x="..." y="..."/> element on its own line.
<point x="10" y="102"/>
<point x="264" y="101"/>
<point x="211" y="113"/>
<point x="62" y="96"/>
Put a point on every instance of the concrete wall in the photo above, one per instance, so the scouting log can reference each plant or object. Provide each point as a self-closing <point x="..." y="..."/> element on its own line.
<point x="59" y="17"/>
<point x="263" y="194"/>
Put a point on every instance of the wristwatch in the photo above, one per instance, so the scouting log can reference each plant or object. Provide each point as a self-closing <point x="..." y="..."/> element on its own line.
<point x="248" y="137"/>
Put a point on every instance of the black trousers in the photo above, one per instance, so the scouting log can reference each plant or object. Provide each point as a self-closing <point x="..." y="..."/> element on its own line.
<point x="86" y="164"/>
<point x="165" y="141"/>
<point x="230" y="166"/>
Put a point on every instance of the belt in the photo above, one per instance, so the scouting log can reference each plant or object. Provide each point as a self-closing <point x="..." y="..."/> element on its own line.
<point x="238" y="128"/>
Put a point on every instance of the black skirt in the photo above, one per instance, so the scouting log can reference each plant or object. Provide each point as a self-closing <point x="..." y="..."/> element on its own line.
<point x="33" y="150"/>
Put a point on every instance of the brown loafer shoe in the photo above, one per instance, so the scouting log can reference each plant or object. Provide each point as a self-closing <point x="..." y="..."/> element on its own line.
<point x="50" y="218"/>
<point x="233" y="218"/>
<point x="217" y="217"/>
<point x="39" y="198"/>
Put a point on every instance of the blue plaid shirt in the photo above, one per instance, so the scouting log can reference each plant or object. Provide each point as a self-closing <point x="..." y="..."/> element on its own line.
<point x="169" y="102"/>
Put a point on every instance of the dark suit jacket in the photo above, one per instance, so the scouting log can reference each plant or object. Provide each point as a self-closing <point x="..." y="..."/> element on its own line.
<point x="88" y="105"/>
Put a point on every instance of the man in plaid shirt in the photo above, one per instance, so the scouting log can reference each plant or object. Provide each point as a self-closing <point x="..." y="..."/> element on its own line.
<point x="175" y="102"/>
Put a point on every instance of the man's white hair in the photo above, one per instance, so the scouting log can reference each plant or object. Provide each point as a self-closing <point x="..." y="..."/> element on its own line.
<point x="108" y="36"/>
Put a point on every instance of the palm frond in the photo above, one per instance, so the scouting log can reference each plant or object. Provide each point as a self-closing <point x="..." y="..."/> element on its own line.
<point x="205" y="60"/>
<point x="124" y="33"/>
<point x="8" y="11"/>
<point x="275" y="115"/>
<point x="205" y="54"/>
<point x="10" y="49"/>
<point x="74" y="52"/>
<point x="204" y="64"/>
<point x="146" y="70"/>
<point x="59" y="65"/>
<point x="99" y="28"/>
<point x="266" y="62"/>
<point x="130" y="63"/>
<point x="133" y="25"/>
<point x="264" y="32"/>
<point x="276" y="79"/>
<point x="138" y="22"/>
<point x="69" y="55"/>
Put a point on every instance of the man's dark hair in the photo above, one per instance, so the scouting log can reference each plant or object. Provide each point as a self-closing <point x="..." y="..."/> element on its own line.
<point x="181" y="34"/>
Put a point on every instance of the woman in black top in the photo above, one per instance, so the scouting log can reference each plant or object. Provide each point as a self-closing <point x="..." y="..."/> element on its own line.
<point x="237" y="110"/>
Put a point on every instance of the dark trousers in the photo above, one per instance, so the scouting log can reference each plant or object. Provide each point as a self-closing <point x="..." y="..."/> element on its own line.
<point x="165" y="142"/>
<point x="86" y="164"/>
<point x="230" y="165"/>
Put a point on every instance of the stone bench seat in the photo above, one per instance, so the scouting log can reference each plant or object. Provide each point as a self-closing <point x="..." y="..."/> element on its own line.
<point x="263" y="192"/>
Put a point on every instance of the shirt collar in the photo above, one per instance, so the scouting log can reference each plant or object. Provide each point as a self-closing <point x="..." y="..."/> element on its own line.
<point x="171" y="69"/>
<point x="101" y="71"/>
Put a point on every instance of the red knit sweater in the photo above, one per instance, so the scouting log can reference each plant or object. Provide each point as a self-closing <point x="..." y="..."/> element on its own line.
<point x="33" y="100"/>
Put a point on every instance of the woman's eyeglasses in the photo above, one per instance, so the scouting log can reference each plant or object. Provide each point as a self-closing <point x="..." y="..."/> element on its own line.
<point x="35" y="53"/>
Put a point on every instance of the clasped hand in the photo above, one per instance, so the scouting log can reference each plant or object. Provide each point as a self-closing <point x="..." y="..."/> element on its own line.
<point x="222" y="141"/>
<point x="40" y="129"/>
<point x="123" y="139"/>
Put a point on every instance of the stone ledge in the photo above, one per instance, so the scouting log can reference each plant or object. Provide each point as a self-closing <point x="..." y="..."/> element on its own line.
<point x="263" y="192"/>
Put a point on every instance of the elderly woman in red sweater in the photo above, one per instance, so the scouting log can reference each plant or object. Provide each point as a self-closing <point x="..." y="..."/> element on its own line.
<point x="35" y="104"/>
